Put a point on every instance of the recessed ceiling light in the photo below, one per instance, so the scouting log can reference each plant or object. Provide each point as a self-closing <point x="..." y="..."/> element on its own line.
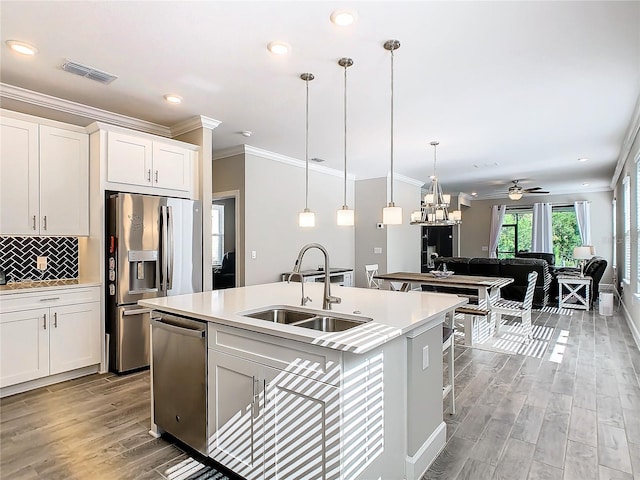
<point x="475" y="194"/>
<point x="172" y="98"/>
<point x="246" y="133"/>
<point x="586" y="184"/>
<point x="343" y="18"/>
<point x="279" y="48"/>
<point x="583" y="159"/>
<point x="22" y="47"/>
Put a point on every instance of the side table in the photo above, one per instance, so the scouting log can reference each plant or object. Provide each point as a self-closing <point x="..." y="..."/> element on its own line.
<point x="574" y="291"/>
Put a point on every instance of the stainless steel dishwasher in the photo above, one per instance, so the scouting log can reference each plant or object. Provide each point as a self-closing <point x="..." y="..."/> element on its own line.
<point x="179" y="372"/>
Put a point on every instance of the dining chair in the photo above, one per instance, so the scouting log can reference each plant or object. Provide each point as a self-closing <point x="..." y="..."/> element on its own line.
<point x="372" y="271"/>
<point x="514" y="308"/>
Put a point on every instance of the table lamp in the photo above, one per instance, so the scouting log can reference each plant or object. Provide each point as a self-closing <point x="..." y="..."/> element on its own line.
<point x="583" y="253"/>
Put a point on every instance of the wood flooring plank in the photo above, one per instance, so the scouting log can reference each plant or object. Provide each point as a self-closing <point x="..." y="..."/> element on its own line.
<point x="634" y="452"/>
<point x="605" y="473"/>
<point x="583" y="426"/>
<point x="515" y="461"/>
<point x="552" y="440"/>
<point x="610" y="411"/>
<point x="584" y="395"/>
<point x="451" y="460"/>
<point x="581" y="462"/>
<point x="509" y="408"/>
<point x="476" y="470"/>
<point x="490" y="445"/>
<point x="528" y="424"/>
<point x="613" y="449"/>
<point x="542" y="471"/>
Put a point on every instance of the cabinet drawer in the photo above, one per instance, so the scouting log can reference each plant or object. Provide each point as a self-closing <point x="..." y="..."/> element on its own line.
<point x="319" y="363"/>
<point x="51" y="298"/>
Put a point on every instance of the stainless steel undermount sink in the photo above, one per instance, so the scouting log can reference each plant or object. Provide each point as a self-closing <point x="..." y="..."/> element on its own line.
<point x="308" y="319"/>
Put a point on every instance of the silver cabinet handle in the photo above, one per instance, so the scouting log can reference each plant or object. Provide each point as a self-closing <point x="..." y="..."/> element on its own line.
<point x="34" y="222"/>
<point x="149" y="175"/>
<point x="55" y="319"/>
<point x="44" y="321"/>
<point x="156" y="176"/>
<point x="44" y="222"/>
<point x="50" y="299"/>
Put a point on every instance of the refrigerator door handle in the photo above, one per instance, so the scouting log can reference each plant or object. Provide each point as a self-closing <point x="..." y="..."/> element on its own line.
<point x="170" y="249"/>
<point x="163" y="248"/>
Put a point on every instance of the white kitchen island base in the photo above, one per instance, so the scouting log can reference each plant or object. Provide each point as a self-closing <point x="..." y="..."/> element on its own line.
<point x="297" y="404"/>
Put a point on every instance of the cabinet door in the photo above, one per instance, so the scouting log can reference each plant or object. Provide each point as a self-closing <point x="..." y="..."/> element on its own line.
<point x="64" y="182"/>
<point x="24" y="346"/>
<point x="235" y="420"/>
<point x="18" y="177"/>
<point x="171" y="166"/>
<point x="302" y="428"/>
<point x="74" y="336"/>
<point x="129" y="159"/>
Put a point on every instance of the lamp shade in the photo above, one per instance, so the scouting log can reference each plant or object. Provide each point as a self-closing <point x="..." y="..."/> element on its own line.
<point x="345" y="217"/>
<point x="392" y="215"/>
<point x="306" y="218"/>
<point x="583" y="253"/>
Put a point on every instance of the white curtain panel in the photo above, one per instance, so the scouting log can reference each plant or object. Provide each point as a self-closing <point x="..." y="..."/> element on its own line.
<point x="583" y="215"/>
<point x="497" y="217"/>
<point x="542" y="234"/>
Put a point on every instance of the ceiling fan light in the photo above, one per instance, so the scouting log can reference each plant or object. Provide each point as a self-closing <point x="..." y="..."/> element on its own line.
<point x="515" y="195"/>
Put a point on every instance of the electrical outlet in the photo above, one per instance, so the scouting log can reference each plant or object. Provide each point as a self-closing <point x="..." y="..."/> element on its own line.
<point x="41" y="263"/>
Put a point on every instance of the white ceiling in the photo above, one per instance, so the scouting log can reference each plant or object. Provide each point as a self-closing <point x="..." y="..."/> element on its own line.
<point x="512" y="90"/>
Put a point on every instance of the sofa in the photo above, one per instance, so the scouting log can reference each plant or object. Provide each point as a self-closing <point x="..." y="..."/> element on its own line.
<point x="516" y="268"/>
<point x="549" y="257"/>
<point x="225" y="276"/>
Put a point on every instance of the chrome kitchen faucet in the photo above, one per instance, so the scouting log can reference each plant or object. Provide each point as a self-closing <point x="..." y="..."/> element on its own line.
<point x="328" y="298"/>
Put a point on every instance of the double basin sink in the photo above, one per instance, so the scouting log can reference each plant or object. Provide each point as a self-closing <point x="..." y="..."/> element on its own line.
<point x="321" y="321"/>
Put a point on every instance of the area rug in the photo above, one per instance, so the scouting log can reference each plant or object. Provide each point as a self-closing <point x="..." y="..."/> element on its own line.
<point x="511" y="340"/>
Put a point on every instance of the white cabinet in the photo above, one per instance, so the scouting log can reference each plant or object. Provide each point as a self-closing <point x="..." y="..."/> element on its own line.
<point x="143" y="161"/>
<point x="270" y="423"/>
<point x="48" y="333"/>
<point x="44" y="179"/>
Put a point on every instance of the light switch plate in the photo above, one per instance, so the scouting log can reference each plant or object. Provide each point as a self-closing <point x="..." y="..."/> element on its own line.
<point x="41" y="263"/>
<point x="425" y="357"/>
<point x="254" y="254"/>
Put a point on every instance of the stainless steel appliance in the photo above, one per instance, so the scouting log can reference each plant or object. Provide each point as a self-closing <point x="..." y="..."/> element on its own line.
<point x="154" y="249"/>
<point x="179" y="378"/>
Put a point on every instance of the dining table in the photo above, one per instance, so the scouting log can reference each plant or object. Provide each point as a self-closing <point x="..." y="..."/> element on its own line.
<point x="486" y="288"/>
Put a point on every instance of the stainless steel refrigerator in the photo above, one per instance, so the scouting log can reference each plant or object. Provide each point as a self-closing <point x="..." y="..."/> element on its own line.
<point x="154" y="249"/>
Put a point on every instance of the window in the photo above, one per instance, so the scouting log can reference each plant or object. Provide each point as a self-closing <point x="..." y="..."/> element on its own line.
<point x="217" y="234"/>
<point x="626" y="227"/>
<point x="516" y="233"/>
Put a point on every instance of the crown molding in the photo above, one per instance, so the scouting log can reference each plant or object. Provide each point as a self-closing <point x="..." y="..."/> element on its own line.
<point x="405" y="179"/>
<point x="629" y="139"/>
<point x="190" y="124"/>
<point x="277" y="157"/>
<point x="47" y="101"/>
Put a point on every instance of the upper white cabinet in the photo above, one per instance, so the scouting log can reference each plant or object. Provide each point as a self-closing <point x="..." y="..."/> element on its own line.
<point x="44" y="179"/>
<point x="140" y="160"/>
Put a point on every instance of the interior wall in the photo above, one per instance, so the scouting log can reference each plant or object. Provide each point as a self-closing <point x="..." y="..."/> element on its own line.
<point x="630" y="297"/>
<point x="371" y="197"/>
<point x="476" y="223"/>
<point x="228" y="174"/>
<point x="274" y="195"/>
<point x="403" y="241"/>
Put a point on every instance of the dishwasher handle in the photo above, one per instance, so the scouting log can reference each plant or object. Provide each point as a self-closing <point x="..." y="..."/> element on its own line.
<point x="180" y="330"/>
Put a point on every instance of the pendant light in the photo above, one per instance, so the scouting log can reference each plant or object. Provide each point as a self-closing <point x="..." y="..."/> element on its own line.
<point x="345" y="216"/>
<point x="392" y="215"/>
<point x="307" y="218"/>
<point x="434" y="210"/>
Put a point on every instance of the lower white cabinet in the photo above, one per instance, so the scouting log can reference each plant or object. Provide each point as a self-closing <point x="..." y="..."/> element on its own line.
<point x="39" y="341"/>
<point x="268" y="423"/>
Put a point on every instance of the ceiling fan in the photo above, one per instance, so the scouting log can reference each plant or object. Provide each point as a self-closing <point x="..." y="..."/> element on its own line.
<point x="516" y="191"/>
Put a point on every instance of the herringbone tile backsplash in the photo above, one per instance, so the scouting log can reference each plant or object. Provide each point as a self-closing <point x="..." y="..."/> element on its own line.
<point x="18" y="257"/>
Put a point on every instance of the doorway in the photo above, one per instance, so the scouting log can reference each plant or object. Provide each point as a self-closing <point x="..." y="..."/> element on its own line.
<point x="224" y="239"/>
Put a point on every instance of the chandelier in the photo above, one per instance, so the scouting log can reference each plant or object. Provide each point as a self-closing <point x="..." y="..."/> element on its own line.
<point x="434" y="210"/>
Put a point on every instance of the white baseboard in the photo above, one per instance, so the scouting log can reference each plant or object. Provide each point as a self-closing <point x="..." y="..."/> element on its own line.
<point x="634" y="330"/>
<point x="46" y="381"/>
<point x="417" y="465"/>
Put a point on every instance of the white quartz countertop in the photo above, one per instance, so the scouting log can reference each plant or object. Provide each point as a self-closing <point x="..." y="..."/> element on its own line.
<point x="392" y="313"/>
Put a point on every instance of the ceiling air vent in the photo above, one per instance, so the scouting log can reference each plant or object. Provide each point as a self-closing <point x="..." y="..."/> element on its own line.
<point x="88" y="72"/>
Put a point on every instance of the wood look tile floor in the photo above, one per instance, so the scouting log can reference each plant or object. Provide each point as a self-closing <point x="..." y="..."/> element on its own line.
<point x="572" y="414"/>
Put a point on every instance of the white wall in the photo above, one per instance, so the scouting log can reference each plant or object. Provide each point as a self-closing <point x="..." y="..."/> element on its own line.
<point x="274" y="195"/>
<point x="403" y="241"/>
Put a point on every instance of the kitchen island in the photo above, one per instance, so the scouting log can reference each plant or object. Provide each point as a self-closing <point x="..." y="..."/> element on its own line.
<point x="297" y="403"/>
